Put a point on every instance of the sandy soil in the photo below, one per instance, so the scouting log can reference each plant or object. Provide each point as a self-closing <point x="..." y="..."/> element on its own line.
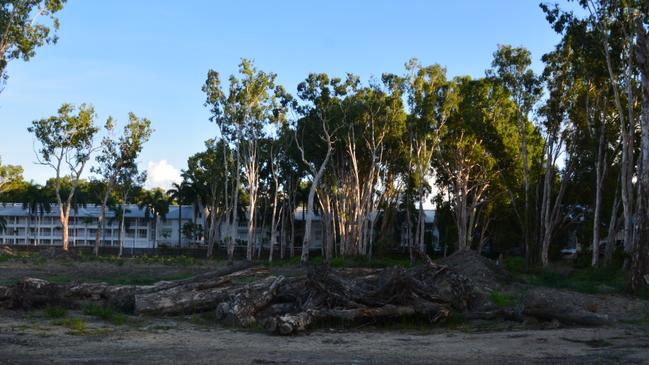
<point x="32" y="339"/>
<point x="29" y="337"/>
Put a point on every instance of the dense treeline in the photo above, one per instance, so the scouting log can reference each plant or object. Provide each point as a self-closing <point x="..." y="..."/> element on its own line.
<point x="514" y="160"/>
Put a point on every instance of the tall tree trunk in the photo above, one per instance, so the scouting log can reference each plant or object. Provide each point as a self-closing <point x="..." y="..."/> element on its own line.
<point x="600" y="172"/>
<point x="640" y="257"/>
<point x="274" y="221"/>
<point x="101" y="218"/>
<point x="611" y="239"/>
<point x="234" y="228"/>
<point x="317" y="175"/>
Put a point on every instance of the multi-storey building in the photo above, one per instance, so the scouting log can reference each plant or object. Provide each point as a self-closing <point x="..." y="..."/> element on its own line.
<point x="22" y="227"/>
<point x="34" y="228"/>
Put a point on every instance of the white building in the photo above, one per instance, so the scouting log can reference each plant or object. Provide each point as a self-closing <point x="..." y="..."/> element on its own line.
<point x="23" y="228"/>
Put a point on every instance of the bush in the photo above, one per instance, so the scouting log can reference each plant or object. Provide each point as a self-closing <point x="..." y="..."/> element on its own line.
<point x="76" y="324"/>
<point x="105" y="313"/>
<point x="515" y="264"/>
<point x="55" y="312"/>
<point x="502" y="299"/>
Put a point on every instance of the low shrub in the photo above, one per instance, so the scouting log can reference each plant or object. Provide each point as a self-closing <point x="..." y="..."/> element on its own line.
<point x="501" y="299"/>
<point x="55" y="311"/>
<point x="515" y="264"/>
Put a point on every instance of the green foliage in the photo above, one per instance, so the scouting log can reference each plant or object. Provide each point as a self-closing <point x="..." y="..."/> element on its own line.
<point x="105" y="313"/>
<point x="24" y="26"/>
<point x="502" y="299"/>
<point x="514" y="264"/>
<point x="590" y="280"/>
<point x="10" y="176"/>
<point x="78" y="325"/>
<point x="54" y="311"/>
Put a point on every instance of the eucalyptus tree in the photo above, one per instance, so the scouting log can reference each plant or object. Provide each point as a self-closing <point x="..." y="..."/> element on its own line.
<point x="477" y="155"/>
<point x="117" y="154"/>
<point x="207" y="176"/>
<point x="66" y="139"/>
<point x="321" y="101"/>
<point x="128" y="182"/>
<point x="467" y="170"/>
<point x="511" y="66"/>
<point x="9" y="176"/>
<point x="560" y="83"/>
<point x="640" y="258"/>
<point x="245" y="112"/>
<point x="615" y="29"/>
<point x="431" y="99"/>
<point x="22" y="30"/>
<point x="357" y="180"/>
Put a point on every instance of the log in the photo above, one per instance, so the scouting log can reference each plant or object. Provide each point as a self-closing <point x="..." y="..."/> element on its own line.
<point x="242" y="306"/>
<point x="566" y="307"/>
<point x="290" y="324"/>
<point x="190" y="297"/>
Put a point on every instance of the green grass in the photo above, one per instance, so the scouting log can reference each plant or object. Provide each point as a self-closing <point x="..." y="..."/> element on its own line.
<point x="78" y="325"/>
<point x="55" y="311"/>
<point x="183" y="261"/>
<point x="339" y="262"/>
<point x="105" y="313"/>
<point x="514" y="264"/>
<point x="143" y="279"/>
<point x="643" y="321"/>
<point x="590" y="280"/>
<point x="501" y="299"/>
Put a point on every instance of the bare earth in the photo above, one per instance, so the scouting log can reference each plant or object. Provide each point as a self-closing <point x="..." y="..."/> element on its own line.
<point x="29" y="337"/>
<point x="32" y="339"/>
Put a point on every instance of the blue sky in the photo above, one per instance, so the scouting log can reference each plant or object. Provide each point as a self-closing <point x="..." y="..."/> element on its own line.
<point x="151" y="57"/>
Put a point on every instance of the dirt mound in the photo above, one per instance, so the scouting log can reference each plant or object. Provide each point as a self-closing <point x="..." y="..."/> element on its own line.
<point x="482" y="271"/>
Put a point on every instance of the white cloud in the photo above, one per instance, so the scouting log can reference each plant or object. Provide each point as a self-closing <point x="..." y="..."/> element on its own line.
<point x="161" y="174"/>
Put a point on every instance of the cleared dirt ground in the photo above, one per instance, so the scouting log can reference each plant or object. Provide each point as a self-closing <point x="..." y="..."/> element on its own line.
<point x="32" y="339"/>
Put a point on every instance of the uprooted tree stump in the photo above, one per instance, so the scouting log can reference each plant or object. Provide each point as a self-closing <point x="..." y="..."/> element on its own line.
<point x="245" y="295"/>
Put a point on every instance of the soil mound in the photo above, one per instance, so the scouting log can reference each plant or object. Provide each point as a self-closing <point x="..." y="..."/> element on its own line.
<point x="482" y="271"/>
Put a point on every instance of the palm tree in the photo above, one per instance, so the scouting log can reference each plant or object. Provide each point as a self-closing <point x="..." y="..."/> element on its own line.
<point x="155" y="204"/>
<point x="178" y="192"/>
<point x="37" y="202"/>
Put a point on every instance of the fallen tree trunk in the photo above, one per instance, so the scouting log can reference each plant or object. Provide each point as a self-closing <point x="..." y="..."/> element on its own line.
<point x="566" y="307"/>
<point x="191" y="296"/>
<point x="244" y="295"/>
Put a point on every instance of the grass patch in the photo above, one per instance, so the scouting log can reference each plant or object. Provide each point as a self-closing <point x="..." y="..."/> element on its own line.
<point x="55" y="311"/>
<point x="514" y="264"/>
<point x="590" y="280"/>
<point x="643" y="321"/>
<point x="182" y="260"/>
<point x="78" y="325"/>
<point x="501" y="299"/>
<point x="340" y="262"/>
<point x="59" y="279"/>
<point x="144" y="280"/>
<point x="105" y="313"/>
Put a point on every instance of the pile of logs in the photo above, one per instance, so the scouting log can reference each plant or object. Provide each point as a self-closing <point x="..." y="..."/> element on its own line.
<point x="244" y="295"/>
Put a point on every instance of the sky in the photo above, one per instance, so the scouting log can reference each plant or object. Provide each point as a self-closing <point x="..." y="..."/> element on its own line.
<point x="151" y="57"/>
